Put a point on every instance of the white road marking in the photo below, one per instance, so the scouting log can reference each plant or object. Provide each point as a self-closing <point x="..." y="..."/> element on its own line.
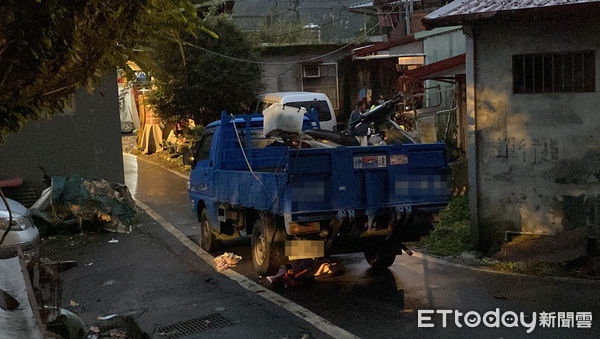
<point x="317" y="321"/>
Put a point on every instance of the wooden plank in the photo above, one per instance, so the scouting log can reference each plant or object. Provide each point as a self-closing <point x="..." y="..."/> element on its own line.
<point x="30" y="294"/>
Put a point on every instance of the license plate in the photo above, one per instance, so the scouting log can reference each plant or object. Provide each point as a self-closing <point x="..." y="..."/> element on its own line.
<point x="370" y="161"/>
<point x="304" y="249"/>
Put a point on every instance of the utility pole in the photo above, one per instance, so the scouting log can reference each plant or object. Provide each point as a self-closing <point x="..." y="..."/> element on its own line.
<point x="297" y="10"/>
<point x="408" y="9"/>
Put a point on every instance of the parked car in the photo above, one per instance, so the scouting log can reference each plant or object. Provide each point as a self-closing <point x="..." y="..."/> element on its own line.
<point x="308" y="100"/>
<point x="23" y="232"/>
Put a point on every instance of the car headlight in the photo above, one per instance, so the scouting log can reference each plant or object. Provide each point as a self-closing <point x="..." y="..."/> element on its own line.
<point x="19" y="224"/>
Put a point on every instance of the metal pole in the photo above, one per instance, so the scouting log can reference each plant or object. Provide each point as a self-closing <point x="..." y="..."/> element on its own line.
<point x="407" y="18"/>
<point x="365" y="22"/>
<point x="597" y="217"/>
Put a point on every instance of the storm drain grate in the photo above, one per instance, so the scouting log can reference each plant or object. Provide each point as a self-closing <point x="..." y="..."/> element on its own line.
<point x="193" y="326"/>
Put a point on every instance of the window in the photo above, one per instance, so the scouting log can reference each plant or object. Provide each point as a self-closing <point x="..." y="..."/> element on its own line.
<point x="312" y="71"/>
<point x="263" y="105"/>
<point x="203" y="148"/>
<point x="257" y="139"/>
<point x="320" y="105"/>
<point x="554" y="72"/>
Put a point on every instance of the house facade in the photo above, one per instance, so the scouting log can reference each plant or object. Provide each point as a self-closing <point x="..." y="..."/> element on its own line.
<point x="533" y="111"/>
<point x="380" y="64"/>
<point x="323" y="68"/>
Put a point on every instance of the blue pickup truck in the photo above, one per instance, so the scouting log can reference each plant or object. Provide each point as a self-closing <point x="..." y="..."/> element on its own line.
<point x="300" y="201"/>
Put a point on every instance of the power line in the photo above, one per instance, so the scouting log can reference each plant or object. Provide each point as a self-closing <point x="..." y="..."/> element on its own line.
<point x="264" y="62"/>
<point x="280" y="74"/>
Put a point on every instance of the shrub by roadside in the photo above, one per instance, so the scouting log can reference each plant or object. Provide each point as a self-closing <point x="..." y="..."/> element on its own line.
<point x="583" y="267"/>
<point x="451" y="235"/>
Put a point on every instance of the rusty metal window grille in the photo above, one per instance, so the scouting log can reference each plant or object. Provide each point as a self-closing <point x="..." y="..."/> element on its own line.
<point x="554" y="72"/>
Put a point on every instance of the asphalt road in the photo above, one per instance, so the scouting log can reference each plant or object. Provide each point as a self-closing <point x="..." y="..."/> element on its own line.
<point x="386" y="304"/>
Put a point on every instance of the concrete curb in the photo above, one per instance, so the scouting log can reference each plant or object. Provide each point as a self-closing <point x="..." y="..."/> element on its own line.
<point x="441" y="261"/>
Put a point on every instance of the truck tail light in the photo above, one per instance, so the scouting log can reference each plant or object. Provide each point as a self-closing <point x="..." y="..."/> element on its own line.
<point x="304" y="227"/>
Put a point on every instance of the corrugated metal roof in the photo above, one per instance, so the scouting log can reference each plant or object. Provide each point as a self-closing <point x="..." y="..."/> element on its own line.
<point x="380" y="46"/>
<point x="361" y="5"/>
<point x="464" y="9"/>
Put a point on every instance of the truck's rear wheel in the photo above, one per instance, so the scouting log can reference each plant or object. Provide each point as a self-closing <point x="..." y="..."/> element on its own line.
<point x="267" y="247"/>
<point x="208" y="242"/>
<point x="379" y="258"/>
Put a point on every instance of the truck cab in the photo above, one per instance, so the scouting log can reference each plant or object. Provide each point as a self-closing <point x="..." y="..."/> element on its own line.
<point x="308" y="100"/>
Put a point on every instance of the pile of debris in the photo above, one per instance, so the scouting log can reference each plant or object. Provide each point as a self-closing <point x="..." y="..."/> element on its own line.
<point x="225" y="261"/>
<point x="303" y="272"/>
<point x="72" y="201"/>
<point x="122" y="325"/>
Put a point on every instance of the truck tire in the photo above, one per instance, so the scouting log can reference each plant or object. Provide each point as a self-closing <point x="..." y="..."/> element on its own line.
<point x="208" y="242"/>
<point x="267" y="247"/>
<point x="379" y="259"/>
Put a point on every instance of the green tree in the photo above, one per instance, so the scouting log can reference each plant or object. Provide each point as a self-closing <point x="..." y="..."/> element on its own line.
<point x="204" y="84"/>
<point x="49" y="48"/>
<point x="284" y="32"/>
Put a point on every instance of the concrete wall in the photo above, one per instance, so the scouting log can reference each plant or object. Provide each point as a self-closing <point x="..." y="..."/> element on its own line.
<point x="288" y="77"/>
<point x="538" y="155"/>
<point x="282" y="78"/>
<point x="85" y="142"/>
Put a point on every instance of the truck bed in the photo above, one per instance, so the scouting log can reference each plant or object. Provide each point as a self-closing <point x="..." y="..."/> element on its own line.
<point x="325" y="181"/>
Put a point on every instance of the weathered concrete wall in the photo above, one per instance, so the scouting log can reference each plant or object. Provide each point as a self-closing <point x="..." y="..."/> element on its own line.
<point x="282" y="78"/>
<point x="285" y="77"/>
<point x="85" y="142"/>
<point x="278" y="75"/>
<point x="538" y="155"/>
